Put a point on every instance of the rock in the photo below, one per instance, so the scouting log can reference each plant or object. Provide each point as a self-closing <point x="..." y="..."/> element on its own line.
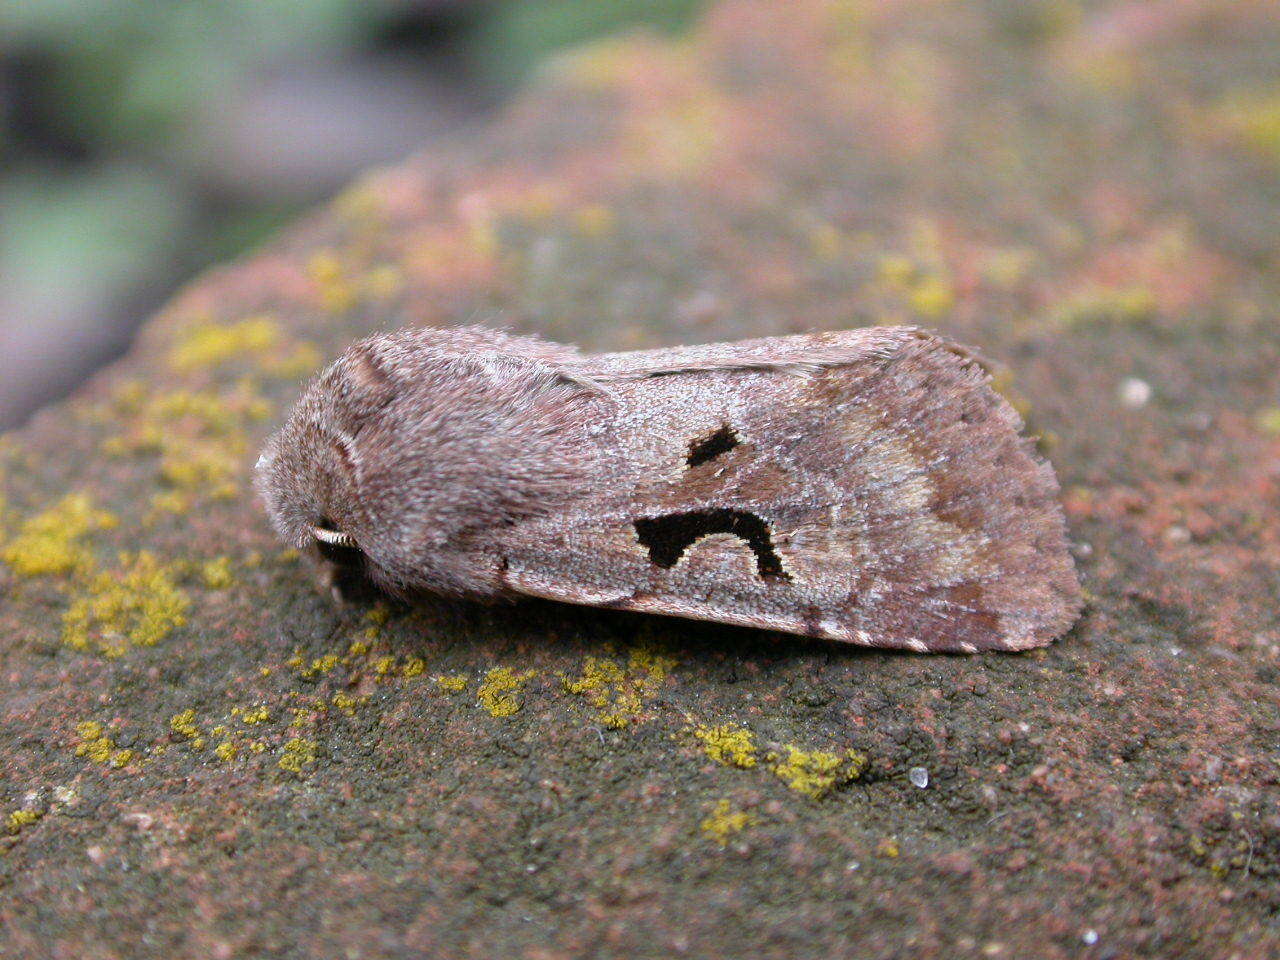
<point x="324" y="780"/>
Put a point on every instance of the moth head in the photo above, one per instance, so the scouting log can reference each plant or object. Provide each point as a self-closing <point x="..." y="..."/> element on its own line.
<point x="308" y="477"/>
<point x="403" y="449"/>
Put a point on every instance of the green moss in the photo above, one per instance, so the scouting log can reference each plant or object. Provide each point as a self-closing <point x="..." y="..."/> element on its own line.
<point x="815" y="773"/>
<point x="729" y="744"/>
<point x="51" y="542"/>
<point x="498" y="690"/>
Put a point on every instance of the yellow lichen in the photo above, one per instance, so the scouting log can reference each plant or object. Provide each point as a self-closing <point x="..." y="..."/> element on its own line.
<point x="184" y="725"/>
<point x="815" y="773"/>
<point x="896" y="270"/>
<point x="827" y="241"/>
<point x="216" y="573"/>
<point x="729" y="744"/>
<point x="594" y="220"/>
<point x="129" y="395"/>
<point x="346" y="703"/>
<point x="383" y="281"/>
<point x="337" y="292"/>
<point x="451" y="684"/>
<point x="723" y="822"/>
<point x="22" y="818"/>
<point x="618" y="693"/>
<point x="297" y="754"/>
<point x="256" y="716"/>
<point x="51" y="541"/>
<point x="304" y="359"/>
<point x="137" y="604"/>
<point x="413" y="667"/>
<point x="888" y="848"/>
<point x="320" y="665"/>
<point x="209" y="344"/>
<point x="1253" y="116"/>
<point x="357" y="648"/>
<point x="208" y="411"/>
<point x="226" y="750"/>
<point x="931" y="297"/>
<point x="1129" y="304"/>
<point x="171" y="501"/>
<point x="96" y="746"/>
<point x="1268" y="421"/>
<point x="121" y="757"/>
<point x="189" y="467"/>
<point x="498" y="690"/>
<point x="384" y="665"/>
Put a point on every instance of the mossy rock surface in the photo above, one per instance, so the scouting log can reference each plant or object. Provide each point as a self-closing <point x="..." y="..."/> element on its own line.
<point x="201" y="755"/>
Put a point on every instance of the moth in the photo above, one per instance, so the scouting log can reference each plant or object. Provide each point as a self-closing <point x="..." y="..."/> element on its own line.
<point x="866" y="486"/>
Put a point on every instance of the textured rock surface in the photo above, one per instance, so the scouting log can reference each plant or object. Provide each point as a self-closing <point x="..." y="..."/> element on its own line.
<point x="203" y="757"/>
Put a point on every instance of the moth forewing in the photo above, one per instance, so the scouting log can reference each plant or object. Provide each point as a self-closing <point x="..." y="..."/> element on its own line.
<point x="885" y="499"/>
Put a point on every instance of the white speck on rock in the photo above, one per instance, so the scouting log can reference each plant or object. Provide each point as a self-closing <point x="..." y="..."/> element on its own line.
<point x="1134" y="393"/>
<point x="1090" y="937"/>
<point x="918" y="776"/>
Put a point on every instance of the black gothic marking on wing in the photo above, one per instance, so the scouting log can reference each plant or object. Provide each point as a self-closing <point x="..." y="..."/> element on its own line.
<point x="668" y="536"/>
<point x="711" y="446"/>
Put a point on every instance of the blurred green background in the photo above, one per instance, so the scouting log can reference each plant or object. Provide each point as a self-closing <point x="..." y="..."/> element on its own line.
<point x="141" y="140"/>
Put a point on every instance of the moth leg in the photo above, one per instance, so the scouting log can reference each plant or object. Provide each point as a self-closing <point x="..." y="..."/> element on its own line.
<point x="342" y="569"/>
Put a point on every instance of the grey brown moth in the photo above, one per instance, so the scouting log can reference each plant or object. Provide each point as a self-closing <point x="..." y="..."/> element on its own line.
<point x="867" y="486"/>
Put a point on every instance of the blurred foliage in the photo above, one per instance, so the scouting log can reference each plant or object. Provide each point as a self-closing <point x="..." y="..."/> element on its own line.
<point x="108" y="221"/>
<point x="127" y="73"/>
<point x="103" y="104"/>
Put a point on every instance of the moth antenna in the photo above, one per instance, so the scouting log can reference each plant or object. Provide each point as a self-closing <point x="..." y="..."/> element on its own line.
<point x="333" y="537"/>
